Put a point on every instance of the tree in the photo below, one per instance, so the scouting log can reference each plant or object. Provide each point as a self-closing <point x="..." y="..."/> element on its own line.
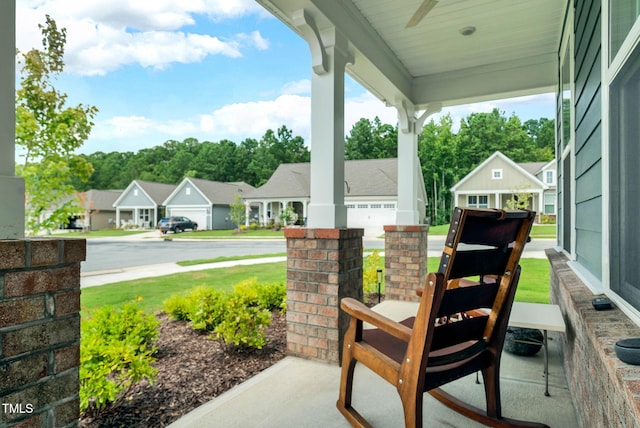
<point x="237" y="211"/>
<point x="371" y="140"/>
<point x="48" y="133"/>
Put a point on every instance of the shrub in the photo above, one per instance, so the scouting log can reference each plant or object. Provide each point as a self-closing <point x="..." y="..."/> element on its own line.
<point x="116" y="351"/>
<point x="269" y="296"/>
<point x="177" y="307"/>
<point x="371" y="264"/>
<point x="206" y="308"/>
<point x="243" y="325"/>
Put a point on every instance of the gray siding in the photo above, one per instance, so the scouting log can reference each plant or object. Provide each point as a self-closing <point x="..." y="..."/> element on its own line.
<point x="182" y="199"/>
<point x="130" y="200"/>
<point x="219" y="216"/>
<point x="588" y="142"/>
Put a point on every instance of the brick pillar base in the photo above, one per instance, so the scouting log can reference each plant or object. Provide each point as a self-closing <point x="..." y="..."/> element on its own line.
<point x="405" y="249"/>
<point x="323" y="266"/>
<point x="40" y="332"/>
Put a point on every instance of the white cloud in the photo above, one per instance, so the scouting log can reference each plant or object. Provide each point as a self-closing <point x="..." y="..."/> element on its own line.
<point x="298" y="87"/>
<point x="104" y="35"/>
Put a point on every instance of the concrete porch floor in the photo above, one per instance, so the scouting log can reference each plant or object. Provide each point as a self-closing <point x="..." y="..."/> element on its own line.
<point x="297" y="392"/>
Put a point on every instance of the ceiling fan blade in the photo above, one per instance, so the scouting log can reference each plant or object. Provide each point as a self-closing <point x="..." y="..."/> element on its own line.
<point x="422" y="11"/>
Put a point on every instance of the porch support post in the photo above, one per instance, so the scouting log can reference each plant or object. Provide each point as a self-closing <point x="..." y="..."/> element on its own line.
<point x="323" y="266"/>
<point x="409" y="184"/>
<point x="327" y="209"/>
<point x="13" y="196"/>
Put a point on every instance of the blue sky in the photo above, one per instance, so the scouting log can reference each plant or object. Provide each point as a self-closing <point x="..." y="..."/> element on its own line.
<point x="210" y="69"/>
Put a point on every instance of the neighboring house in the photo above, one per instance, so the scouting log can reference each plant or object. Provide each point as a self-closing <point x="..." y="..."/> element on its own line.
<point x="205" y="202"/>
<point x="370" y="193"/>
<point x="145" y="200"/>
<point x="99" y="212"/>
<point x="495" y="181"/>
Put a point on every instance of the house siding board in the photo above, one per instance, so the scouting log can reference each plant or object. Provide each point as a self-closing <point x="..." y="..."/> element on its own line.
<point x="482" y="180"/>
<point x="182" y="199"/>
<point x="589" y="256"/>
<point x="219" y="216"/>
<point x="588" y="179"/>
<point x="131" y="200"/>
<point x="590" y="152"/>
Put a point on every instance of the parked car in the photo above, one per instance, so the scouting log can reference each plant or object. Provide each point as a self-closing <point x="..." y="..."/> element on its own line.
<point x="176" y="224"/>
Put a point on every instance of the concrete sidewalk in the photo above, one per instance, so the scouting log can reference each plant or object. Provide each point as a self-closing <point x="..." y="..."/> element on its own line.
<point x="92" y="279"/>
<point x="297" y="392"/>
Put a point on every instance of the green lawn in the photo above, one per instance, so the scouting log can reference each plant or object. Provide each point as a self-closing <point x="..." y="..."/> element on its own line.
<point x="99" y="233"/>
<point x="151" y="292"/>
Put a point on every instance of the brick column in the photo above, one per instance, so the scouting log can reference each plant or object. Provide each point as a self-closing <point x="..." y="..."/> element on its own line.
<point x="323" y="266"/>
<point x="405" y="249"/>
<point x="40" y="332"/>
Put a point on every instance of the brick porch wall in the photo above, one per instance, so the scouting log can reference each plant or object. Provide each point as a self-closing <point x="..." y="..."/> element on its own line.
<point x="605" y="391"/>
<point x="323" y="266"/>
<point x="405" y="249"/>
<point x="40" y="332"/>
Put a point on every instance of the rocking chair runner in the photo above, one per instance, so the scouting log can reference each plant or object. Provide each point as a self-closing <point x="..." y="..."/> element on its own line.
<point x="460" y="325"/>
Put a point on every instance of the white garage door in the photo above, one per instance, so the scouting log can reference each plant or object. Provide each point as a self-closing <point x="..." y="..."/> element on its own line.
<point x="372" y="217"/>
<point x="199" y="215"/>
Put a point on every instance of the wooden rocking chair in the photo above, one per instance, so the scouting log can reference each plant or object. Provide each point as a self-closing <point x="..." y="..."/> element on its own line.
<point x="460" y="325"/>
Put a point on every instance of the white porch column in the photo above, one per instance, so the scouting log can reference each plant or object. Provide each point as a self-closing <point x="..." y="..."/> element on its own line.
<point x="408" y="212"/>
<point x="498" y="201"/>
<point x="330" y="55"/>
<point x="247" y="213"/>
<point x="264" y="217"/>
<point x="12" y="187"/>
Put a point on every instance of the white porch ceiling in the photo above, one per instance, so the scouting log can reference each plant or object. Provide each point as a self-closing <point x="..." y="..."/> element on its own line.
<point x="513" y="51"/>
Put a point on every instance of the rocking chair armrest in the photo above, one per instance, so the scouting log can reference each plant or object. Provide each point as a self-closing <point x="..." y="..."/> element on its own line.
<point x="361" y="312"/>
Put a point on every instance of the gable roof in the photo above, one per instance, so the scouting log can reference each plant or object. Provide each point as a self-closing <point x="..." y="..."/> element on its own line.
<point x="157" y="192"/>
<point x="370" y="177"/>
<point x="214" y="191"/>
<point x="101" y="200"/>
<point x="498" y="154"/>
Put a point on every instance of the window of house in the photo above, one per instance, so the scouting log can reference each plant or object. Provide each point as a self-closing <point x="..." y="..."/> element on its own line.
<point x="549" y="203"/>
<point x="350" y="205"/>
<point x="389" y="205"/>
<point x="549" y="177"/>
<point x="623" y="14"/>
<point x="135" y="192"/>
<point x="624" y="180"/>
<point x="376" y="205"/>
<point x="187" y="191"/>
<point x="363" y="205"/>
<point x="496" y="174"/>
<point x="478" y="201"/>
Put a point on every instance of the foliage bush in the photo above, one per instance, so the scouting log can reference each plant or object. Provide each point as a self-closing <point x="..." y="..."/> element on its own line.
<point x="203" y="307"/>
<point x="371" y="264"/>
<point x="243" y="325"/>
<point x="116" y="351"/>
<point x="268" y="295"/>
<point x="239" y="318"/>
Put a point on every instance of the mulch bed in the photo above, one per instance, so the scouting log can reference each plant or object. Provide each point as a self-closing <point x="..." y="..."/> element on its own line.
<point x="192" y="369"/>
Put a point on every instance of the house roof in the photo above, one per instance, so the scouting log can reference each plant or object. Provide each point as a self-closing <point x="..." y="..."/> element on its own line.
<point x="371" y="177"/>
<point x="157" y="192"/>
<point x="519" y="167"/>
<point x="101" y="200"/>
<point x="512" y="49"/>
<point x="218" y="192"/>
